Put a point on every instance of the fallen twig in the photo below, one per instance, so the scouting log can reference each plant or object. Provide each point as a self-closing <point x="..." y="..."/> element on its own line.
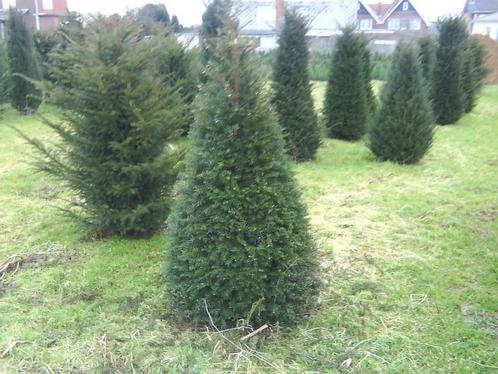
<point x="11" y="346"/>
<point x="238" y="346"/>
<point x="254" y="333"/>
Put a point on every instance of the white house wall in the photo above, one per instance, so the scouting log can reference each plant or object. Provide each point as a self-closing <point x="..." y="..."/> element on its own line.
<point x="486" y="28"/>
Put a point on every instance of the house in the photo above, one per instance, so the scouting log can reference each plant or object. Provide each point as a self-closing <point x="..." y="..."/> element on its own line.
<point x="260" y="19"/>
<point x="482" y="17"/>
<point x="387" y="23"/>
<point x="43" y="15"/>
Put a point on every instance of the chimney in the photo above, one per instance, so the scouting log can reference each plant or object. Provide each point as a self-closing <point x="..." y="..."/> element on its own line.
<point x="280" y="11"/>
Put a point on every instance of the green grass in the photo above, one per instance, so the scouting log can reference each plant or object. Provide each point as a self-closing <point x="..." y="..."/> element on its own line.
<point x="409" y="258"/>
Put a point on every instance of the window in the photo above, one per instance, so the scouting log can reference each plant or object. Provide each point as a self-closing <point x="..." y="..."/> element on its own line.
<point x="48" y="4"/>
<point x="415" y="24"/>
<point x="394" y="24"/>
<point x="405" y="6"/>
<point x="366" y="24"/>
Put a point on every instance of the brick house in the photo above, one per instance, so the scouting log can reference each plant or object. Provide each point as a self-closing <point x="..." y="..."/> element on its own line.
<point x="387" y="23"/>
<point x="43" y="15"/>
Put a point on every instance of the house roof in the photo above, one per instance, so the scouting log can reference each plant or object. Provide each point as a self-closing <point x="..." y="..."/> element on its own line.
<point x="493" y="17"/>
<point x="481" y="6"/>
<point x="381" y="12"/>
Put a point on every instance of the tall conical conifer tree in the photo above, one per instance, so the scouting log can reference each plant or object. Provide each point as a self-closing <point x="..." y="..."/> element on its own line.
<point x="346" y="102"/>
<point x="403" y="129"/>
<point x="292" y="90"/>
<point x="23" y="65"/>
<point x="427" y="48"/>
<point x="448" y="92"/>
<point x="239" y="244"/>
<point x="474" y="72"/>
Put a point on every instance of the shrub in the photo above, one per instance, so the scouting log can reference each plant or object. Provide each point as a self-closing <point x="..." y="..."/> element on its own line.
<point x="448" y="94"/>
<point x="403" y="129"/>
<point x="346" y="102"/>
<point x="23" y="65"/>
<point x="117" y="118"/>
<point x="238" y="238"/>
<point x="292" y="90"/>
<point x="474" y="72"/>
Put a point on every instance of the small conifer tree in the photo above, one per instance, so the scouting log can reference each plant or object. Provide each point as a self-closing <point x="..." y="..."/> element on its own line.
<point x="5" y="80"/>
<point x="117" y="121"/>
<point x="239" y="244"/>
<point x="448" y="93"/>
<point x="212" y="24"/>
<point x="23" y="65"/>
<point x="474" y="72"/>
<point x="403" y="129"/>
<point x="346" y="101"/>
<point x="292" y="90"/>
<point x="427" y="48"/>
<point x="179" y="67"/>
<point x="367" y="67"/>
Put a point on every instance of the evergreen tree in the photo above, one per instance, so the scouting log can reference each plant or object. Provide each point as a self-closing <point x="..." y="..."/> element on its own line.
<point x="346" y="101"/>
<point x="474" y="72"/>
<point x="292" y="90"/>
<point x="177" y="27"/>
<point x="179" y="67"/>
<point x="403" y="129"/>
<point x="118" y="119"/>
<point x="239" y="240"/>
<point x="44" y="44"/>
<point x="448" y="94"/>
<point x="367" y="70"/>
<point x="427" y="56"/>
<point x="212" y="24"/>
<point x="23" y="65"/>
<point x="5" y="80"/>
<point x="152" y="15"/>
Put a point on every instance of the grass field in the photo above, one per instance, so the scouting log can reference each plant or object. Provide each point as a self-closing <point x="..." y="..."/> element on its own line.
<point x="409" y="257"/>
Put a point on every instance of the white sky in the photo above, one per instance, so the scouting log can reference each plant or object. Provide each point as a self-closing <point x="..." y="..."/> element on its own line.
<point x="189" y="12"/>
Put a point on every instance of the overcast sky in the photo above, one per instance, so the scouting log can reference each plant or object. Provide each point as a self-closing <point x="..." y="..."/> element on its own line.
<point x="189" y="12"/>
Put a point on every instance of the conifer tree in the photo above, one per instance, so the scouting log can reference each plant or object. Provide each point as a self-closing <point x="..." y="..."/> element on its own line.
<point x="239" y="242"/>
<point x="448" y="95"/>
<point x="118" y="119"/>
<point x="346" y="101"/>
<point x="179" y="67"/>
<point x="403" y="129"/>
<point x="427" y="56"/>
<point x="367" y="68"/>
<point x="23" y="65"/>
<point x="292" y="90"/>
<point x="5" y="80"/>
<point x="474" y="72"/>
<point x="212" y="24"/>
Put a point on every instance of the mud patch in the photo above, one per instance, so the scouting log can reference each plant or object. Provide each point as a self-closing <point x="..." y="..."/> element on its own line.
<point x="472" y="313"/>
<point x="51" y="255"/>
